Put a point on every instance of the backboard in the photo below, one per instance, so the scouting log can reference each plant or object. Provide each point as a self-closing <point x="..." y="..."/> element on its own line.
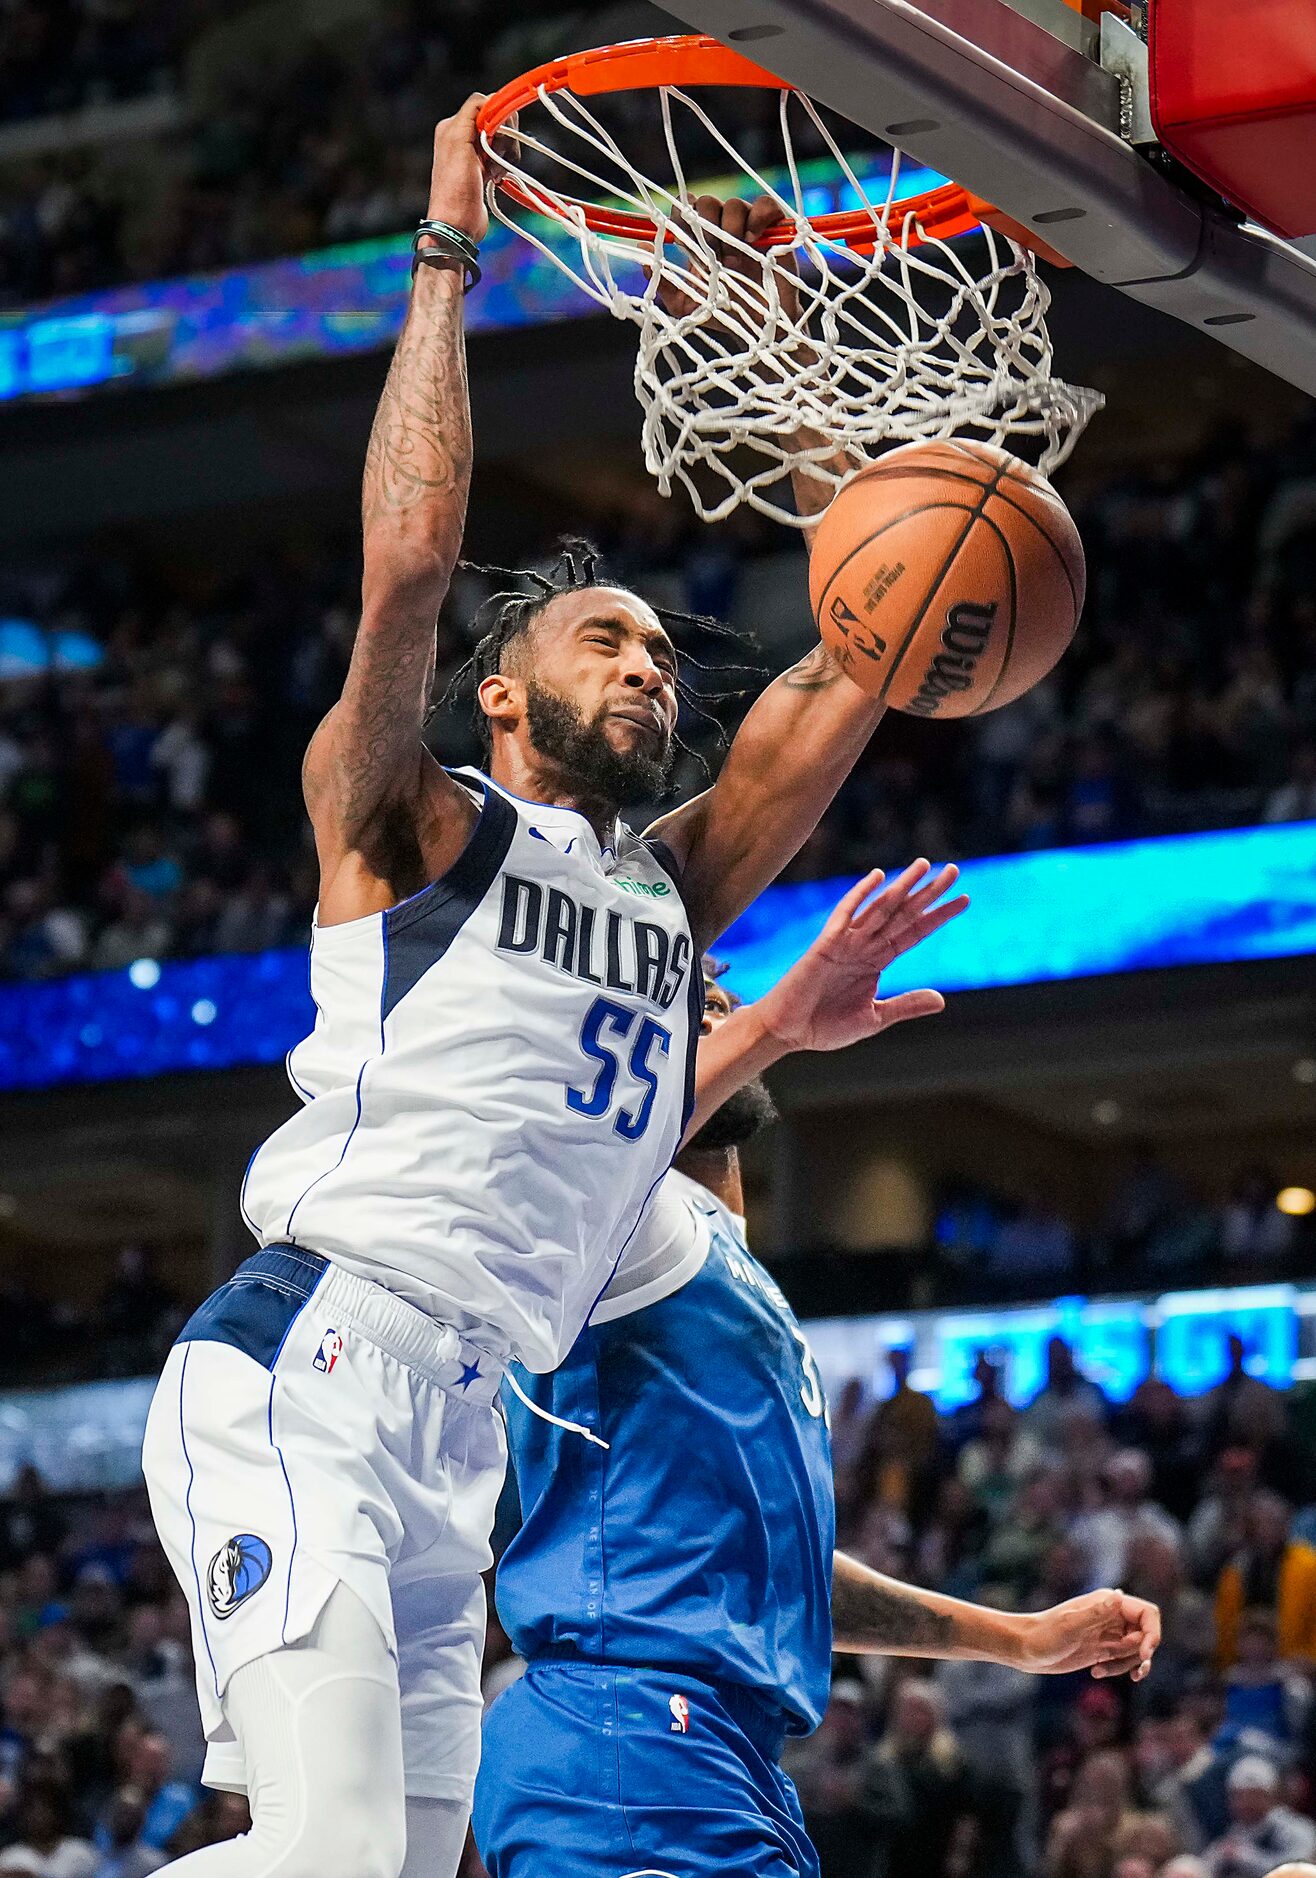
<point x="1039" y="107"/>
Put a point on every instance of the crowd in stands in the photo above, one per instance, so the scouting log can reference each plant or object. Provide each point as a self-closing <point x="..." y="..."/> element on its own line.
<point x="328" y="141"/>
<point x="149" y="797"/>
<point x="961" y="1770"/>
<point x="59" y="55"/>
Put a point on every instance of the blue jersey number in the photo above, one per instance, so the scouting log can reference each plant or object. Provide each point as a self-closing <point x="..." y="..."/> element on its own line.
<point x="604" y="1021"/>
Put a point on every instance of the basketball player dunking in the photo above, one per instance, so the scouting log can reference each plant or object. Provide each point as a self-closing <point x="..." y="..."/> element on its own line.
<point x="508" y="998"/>
<point x="673" y="1585"/>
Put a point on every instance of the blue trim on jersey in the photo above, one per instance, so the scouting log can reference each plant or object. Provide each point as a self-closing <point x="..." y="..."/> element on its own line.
<point x="257" y="1308"/>
<point x="419" y="932"/>
<point x="529" y="802"/>
<point x="695" y="994"/>
<point x="187" y="1501"/>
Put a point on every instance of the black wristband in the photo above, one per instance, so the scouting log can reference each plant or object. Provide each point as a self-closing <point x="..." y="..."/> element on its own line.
<point x="450" y="245"/>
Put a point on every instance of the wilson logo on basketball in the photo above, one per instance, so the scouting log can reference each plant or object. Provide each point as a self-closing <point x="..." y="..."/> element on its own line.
<point x="963" y="640"/>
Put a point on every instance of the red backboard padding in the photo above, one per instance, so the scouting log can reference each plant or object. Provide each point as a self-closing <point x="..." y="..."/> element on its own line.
<point x="1233" y="96"/>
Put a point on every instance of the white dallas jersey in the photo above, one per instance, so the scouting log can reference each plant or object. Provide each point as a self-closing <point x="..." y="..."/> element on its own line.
<point x="498" y="1076"/>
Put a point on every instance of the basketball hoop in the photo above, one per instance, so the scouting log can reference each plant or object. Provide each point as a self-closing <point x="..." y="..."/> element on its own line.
<point x="838" y="332"/>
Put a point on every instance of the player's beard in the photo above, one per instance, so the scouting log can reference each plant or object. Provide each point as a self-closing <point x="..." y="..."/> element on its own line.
<point x="742" y="1116"/>
<point x="579" y="746"/>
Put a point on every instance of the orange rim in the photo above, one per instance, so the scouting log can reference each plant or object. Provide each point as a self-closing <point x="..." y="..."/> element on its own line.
<point x="693" y="59"/>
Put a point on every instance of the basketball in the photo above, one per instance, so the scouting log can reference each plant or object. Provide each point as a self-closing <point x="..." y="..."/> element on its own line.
<point x="947" y="579"/>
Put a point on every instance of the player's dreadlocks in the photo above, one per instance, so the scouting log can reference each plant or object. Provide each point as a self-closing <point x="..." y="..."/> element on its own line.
<point x="515" y="611"/>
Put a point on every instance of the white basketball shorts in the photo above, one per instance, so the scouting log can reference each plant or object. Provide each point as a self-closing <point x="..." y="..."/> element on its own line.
<point x="311" y="1428"/>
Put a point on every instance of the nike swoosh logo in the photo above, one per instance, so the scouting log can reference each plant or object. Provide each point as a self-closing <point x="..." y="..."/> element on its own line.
<point x="539" y="835"/>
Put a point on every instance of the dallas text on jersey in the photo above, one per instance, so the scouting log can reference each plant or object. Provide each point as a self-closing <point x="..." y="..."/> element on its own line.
<point x="625" y="955"/>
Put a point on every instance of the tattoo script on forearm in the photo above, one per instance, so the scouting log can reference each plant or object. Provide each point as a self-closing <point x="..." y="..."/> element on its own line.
<point x="873" y="1613"/>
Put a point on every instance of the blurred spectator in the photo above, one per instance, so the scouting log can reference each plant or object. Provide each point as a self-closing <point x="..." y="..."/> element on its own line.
<point x="1065" y="1390"/>
<point x="1156" y="1421"/>
<point x="1109" y="1531"/>
<point x="46" y="1838"/>
<point x="30" y="1520"/>
<point x="1242" y="1409"/>
<point x="123" y="1854"/>
<point x="1083" y="1835"/>
<point x="902" y="1439"/>
<point x="828" y="1770"/>
<point x="1272" y="1571"/>
<point x="999" y="1457"/>
<point x="1035" y="1239"/>
<point x="164" y="1803"/>
<point x="1251" y="1225"/>
<point x="1262" y="1833"/>
<point x="1264" y="1695"/>
<point x="1155" y="1569"/>
<point x="1217" y="1524"/>
<point x="918" y="1794"/>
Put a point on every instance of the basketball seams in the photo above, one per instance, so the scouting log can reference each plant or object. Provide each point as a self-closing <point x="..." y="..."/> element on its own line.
<point x="1012" y="575"/>
<point x="928" y="471"/>
<point x="920" y="508"/>
<point x="1064" y="565"/>
<point x="974" y="514"/>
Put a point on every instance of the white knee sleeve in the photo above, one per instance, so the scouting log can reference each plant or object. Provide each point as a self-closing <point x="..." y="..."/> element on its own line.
<point x="436" y="1837"/>
<point x="319" y="1726"/>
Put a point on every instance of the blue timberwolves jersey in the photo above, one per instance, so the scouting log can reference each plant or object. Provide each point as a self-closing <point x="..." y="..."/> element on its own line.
<point x="701" y="1540"/>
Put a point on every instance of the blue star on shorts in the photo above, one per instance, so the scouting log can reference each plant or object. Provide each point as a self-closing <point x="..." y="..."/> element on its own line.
<point x="470" y="1372"/>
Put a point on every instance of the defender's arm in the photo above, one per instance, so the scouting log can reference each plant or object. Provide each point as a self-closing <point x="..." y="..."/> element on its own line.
<point x="1107" y="1632"/>
<point x="367" y="778"/>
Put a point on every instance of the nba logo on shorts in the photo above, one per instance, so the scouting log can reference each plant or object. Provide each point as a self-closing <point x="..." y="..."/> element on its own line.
<point x="331" y="1348"/>
<point x="680" y="1714"/>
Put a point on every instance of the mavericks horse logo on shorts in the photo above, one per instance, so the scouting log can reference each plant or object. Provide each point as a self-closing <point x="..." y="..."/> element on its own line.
<point x="238" y="1569"/>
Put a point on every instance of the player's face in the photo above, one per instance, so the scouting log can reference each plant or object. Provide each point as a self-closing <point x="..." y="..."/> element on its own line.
<point x="605" y="650"/>
<point x="718" y="1006"/>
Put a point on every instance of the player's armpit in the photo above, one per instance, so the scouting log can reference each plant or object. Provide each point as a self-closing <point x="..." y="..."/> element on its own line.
<point x="795" y="748"/>
<point x="378" y="846"/>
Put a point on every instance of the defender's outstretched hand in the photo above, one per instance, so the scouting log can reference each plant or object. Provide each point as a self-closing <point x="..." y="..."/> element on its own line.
<point x="1108" y="1632"/>
<point x="828" y="999"/>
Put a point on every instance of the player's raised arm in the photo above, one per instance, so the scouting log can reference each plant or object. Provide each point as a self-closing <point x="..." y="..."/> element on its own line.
<point x="1108" y="1632"/>
<point x="386" y="816"/>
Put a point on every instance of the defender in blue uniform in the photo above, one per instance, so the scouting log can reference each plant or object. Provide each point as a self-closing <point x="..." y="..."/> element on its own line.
<point x="673" y="1590"/>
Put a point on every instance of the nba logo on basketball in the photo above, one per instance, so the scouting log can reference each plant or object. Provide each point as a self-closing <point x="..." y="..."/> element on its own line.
<point x="680" y="1714"/>
<point x="331" y="1348"/>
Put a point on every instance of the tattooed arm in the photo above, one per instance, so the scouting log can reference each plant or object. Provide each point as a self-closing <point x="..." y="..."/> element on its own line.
<point x="387" y="818"/>
<point x="1107" y="1632"/>
<point x="795" y="748"/>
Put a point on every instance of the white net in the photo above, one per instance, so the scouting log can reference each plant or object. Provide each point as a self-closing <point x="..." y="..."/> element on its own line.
<point x="751" y="362"/>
